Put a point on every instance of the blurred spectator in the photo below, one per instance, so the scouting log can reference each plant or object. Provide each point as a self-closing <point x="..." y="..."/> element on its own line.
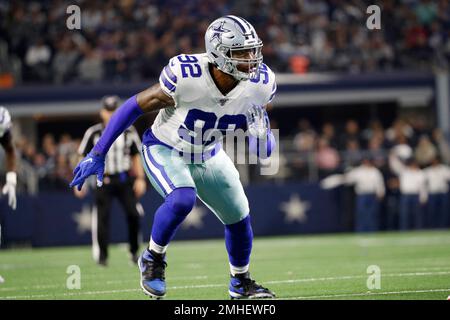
<point x="49" y="146"/>
<point x="351" y="133"/>
<point x="327" y="158"/>
<point x="442" y="145"/>
<point x="407" y="139"/>
<point x="310" y="155"/>
<point x="304" y="143"/>
<point x="329" y="133"/>
<point x="66" y="145"/>
<point x="426" y="12"/>
<point x="353" y="154"/>
<point x="305" y="139"/>
<point x="376" y="152"/>
<point x="425" y="151"/>
<point x="63" y="65"/>
<point x="37" y="59"/>
<point x="400" y="131"/>
<point x="131" y="38"/>
<point x="413" y="190"/>
<point x="402" y="149"/>
<point x="53" y="162"/>
<point x="63" y="172"/>
<point x="419" y="127"/>
<point x="392" y="201"/>
<point x="375" y="130"/>
<point x="90" y="68"/>
<point x="438" y="177"/>
<point x="370" y="190"/>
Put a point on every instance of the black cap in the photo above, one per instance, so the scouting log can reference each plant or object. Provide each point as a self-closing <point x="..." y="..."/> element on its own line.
<point x="110" y="103"/>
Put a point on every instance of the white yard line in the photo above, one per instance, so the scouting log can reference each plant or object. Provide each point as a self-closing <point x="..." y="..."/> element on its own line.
<point x="409" y="274"/>
<point x="70" y="294"/>
<point x="366" y="294"/>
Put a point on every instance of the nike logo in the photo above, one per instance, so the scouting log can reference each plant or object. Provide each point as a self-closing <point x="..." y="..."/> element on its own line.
<point x="88" y="160"/>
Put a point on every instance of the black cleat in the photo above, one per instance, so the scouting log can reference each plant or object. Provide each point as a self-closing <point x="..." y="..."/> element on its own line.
<point x="243" y="287"/>
<point x="152" y="266"/>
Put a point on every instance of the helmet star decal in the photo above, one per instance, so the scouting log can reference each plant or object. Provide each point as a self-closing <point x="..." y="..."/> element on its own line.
<point x="218" y="30"/>
<point x="227" y="35"/>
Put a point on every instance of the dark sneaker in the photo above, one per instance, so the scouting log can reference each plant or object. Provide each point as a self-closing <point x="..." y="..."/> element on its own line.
<point x="243" y="287"/>
<point x="152" y="266"/>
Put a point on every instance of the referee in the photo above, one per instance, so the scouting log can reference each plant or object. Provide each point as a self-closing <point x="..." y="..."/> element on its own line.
<point x="124" y="180"/>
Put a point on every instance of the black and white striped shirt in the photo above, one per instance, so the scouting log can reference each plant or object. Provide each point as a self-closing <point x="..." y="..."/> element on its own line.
<point x="118" y="159"/>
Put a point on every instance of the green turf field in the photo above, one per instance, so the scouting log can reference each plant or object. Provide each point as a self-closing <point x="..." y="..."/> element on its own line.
<point x="413" y="265"/>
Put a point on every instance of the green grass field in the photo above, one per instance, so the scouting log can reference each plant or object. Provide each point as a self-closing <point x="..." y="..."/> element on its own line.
<point x="414" y="265"/>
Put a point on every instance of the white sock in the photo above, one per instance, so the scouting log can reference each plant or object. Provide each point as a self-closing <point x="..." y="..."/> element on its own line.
<point x="234" y="270"/>
<point x="156" y="247"/>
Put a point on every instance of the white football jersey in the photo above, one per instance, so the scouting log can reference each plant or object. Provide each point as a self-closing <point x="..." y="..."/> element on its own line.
<point x="5" y="121"/>
<point x="202" y="114"/>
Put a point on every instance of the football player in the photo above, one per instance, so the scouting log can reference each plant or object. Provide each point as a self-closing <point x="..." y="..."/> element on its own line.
<point x="9" y="189"/>
<point x="220" y="91"/>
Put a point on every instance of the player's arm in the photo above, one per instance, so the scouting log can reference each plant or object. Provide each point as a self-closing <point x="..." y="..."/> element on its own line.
<point x="10" y="152"/>
<point x="152" y="99"/>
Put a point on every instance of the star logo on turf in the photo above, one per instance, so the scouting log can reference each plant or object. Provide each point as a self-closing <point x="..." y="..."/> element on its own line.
<point x="295" y="209"/>
<point x="194" y="218"/>
<point x="218" y="30"/>
<point x="83" y="219"/>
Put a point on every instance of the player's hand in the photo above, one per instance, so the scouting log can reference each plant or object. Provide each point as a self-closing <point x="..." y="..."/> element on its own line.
<point x="91" y="164"/>
<point x="139" y="187"/>
<point x="258" y="121"/>
<point x="10" y="189"/>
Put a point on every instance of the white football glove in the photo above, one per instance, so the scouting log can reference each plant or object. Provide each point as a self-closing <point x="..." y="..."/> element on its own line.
<point x="10" y="189"/>
<point x="257" y="121"/>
